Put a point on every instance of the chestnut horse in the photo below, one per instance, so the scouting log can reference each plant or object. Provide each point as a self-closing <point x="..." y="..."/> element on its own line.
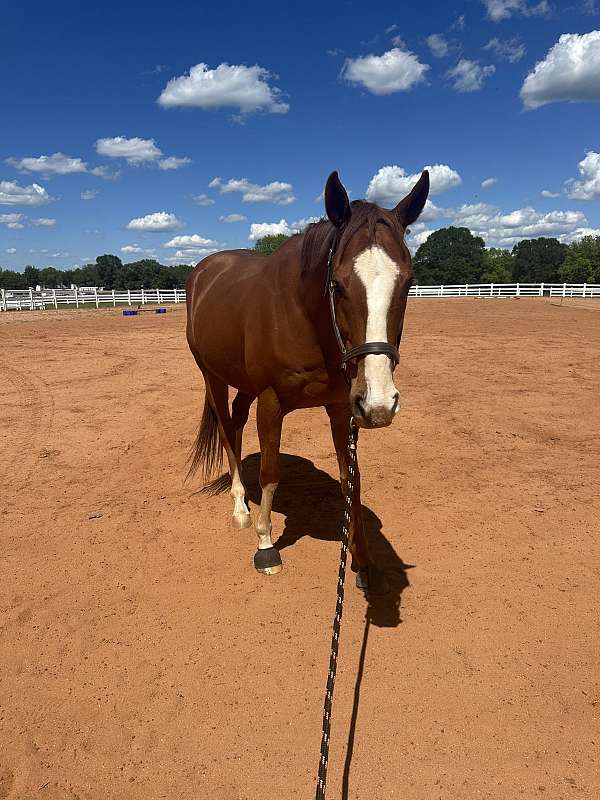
<point x="317" y="323"/>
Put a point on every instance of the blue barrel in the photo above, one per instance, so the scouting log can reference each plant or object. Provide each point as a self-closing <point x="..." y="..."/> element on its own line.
<point x="129" y="312"/>
<point x="161" y="310"/>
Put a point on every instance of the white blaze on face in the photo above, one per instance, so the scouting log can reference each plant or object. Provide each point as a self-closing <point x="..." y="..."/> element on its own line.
<point x="378" y="274"/>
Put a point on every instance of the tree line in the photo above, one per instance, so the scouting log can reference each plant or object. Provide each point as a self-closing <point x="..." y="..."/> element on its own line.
<point x="107" y="271"/>
<point x="449" y="256"/>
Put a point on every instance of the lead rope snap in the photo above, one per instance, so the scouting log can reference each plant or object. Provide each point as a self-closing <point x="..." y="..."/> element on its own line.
<point x="339" y="608"/>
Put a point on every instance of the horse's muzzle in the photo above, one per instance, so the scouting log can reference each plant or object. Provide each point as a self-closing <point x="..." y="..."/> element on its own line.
<point x="374" y="415"/>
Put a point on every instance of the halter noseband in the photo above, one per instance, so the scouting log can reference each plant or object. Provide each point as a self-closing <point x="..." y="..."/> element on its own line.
<point x="361" y="350"/>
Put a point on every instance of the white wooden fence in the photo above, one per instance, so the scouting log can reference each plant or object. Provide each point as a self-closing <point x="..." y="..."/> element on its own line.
<point x="28" y="299"/>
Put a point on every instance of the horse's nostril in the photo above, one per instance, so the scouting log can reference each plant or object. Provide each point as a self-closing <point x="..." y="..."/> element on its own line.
<point x="396" y="402"/>
<point x="359" y="408"/>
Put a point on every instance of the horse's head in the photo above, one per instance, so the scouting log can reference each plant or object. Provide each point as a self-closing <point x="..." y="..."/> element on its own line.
<point x="371" y="275"/>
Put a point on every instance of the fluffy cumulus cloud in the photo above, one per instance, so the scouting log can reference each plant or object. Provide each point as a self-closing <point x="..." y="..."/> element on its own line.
<point x="135" y="151"/>
<point x="11" y="194"/>
<point x="56" y="164"/>
<point x="547" y="193"/>
<point x="390" y="184"/>
<point x="172" y="162"/>
<point x="260" y="229"/>
<point x="276" y="192"/>
<point x="43" y="222"/>
<point x="129" y="249"/>
<point x="503" y="9"/>
<point x="227" y="86"/>
<point x="138" y="151"/>
<point x="202" y="200"/>
<point x="505" y="230"/>
<point x="232" y="218"/>
<point x="588" y="186"/>
<point x="398" y="70"/>
<point x="438" y="45"/>
<point x="12" y="221"/>
<point x="511" y="50"/>
<point x="488" y="183"/>
<point x="158" y="222"/>
<point x="468" y="76"/>
<point x="569" y="72"/>
<point x="190" y="240"/>
<point x="88" y="194"/>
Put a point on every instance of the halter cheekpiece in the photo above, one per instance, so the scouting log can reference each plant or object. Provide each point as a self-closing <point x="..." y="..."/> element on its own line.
<point x="361" y="350"/>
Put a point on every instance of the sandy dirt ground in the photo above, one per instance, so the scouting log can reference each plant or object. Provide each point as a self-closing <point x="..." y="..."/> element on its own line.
<point x="142" y="656"/>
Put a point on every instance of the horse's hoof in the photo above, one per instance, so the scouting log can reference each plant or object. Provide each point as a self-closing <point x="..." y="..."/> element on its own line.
<point x="239" y="521"/>
<point x="372" y="581"/>
<point x="268" y="561"/>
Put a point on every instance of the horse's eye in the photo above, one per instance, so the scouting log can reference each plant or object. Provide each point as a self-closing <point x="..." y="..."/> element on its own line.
<point x="337" y="288"/>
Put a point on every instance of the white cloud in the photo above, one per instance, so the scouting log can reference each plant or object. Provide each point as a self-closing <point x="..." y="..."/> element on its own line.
<point x="88" y="194"/>
<point x="260" y="229"/>
<point x="105" y="172"/>
<point x="397" y="70"/>
<point x="548" y="193"/>
<point x="503" y="9"/>
<point x="390" y="184"/>
<point x="590" y="7"/>
<point x="135" y="248"/>
<point x="135" y="151"/>
<point x="588" y="188"/>
<point x="229" y="85"/>
<point x="505" y="230"/>
<point x="438" y="45"/>
<point x="202" y="200"/>
<point x="56" y="164"/>
<point x="511" y="50"/>
<point x="11" y="194"/>
<point x="579" y="233"/>
<point x="11" y="250"/>
<point x="158" y="222"/>
<point x="44" y="222"/>
<point x="12" y="221"/>
<point x="468" y="76"/>
<point x="488" y="183"/>
<point x="569" y="72"/>
<point x="232" y="218"/>
<point x="276" y="192"/>
<point x="172" y="162"/>
<point x="193" y="240"/>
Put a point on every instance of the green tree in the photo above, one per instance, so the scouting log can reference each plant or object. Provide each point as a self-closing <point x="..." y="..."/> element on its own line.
<point x="108" y="268"/>
<point x="497" y="266"/>
<point x="51" y="278"/>
<point x="31" y="276"/>
<point x="269" y="244"/>
<point x="538" y="260"/>
<point x="582" y="262"/>
<point x="450" y="255"/>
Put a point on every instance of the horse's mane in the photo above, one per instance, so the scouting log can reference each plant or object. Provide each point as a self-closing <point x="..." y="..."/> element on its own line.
<point x="319" y="236"/>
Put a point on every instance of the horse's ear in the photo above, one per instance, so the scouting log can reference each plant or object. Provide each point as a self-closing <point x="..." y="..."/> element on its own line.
<point x="337" y="204"/>
<point x="408" y="210"/>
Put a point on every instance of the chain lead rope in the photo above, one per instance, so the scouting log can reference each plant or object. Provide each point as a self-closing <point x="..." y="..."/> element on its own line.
<point x="339" y="608"/>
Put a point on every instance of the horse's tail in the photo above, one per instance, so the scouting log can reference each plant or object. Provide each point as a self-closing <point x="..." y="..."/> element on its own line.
<point x="207" y="453"/>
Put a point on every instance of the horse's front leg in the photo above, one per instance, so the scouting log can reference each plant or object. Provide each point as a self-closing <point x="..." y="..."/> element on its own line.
<point x="269" y="419"/>
<point x="368" y="578"/>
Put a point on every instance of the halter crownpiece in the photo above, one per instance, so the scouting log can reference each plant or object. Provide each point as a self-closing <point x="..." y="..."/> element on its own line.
<point x="361" y="350"/>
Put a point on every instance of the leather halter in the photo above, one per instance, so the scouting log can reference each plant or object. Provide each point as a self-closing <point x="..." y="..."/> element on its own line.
<point x="361" y="350"/>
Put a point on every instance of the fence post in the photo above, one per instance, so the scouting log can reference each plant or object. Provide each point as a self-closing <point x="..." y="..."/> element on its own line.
<point x="54" y="298"/>
<point x="128" y="297"/>
<point x="3" y="296"/>
<point x="564" y="289"/>
<point x="441" y="294"/>
<point x="114" y="301"/>
<point x="96" y="295"/>
<point x="142" y="295"/>
<point x="76" y="297"/>
<point x="518" y="290"/>
<point x="30" y="299"/>
<point x="584" y="288"/>
<point x="491" y="289"/>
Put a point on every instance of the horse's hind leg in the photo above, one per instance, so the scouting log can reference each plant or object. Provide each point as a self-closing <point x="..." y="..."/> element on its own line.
<point x="218" y="395"/>
<point x="269" y="419"/>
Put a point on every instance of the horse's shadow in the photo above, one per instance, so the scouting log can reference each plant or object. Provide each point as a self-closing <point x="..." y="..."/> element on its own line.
<point x="312" y="504"/>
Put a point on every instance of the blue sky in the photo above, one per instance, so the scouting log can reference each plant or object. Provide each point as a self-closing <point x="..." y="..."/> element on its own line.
<point x="287" y="93"/>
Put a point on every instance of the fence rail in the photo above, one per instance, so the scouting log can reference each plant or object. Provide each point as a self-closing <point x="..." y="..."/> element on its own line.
<point x="30" y="300"/>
